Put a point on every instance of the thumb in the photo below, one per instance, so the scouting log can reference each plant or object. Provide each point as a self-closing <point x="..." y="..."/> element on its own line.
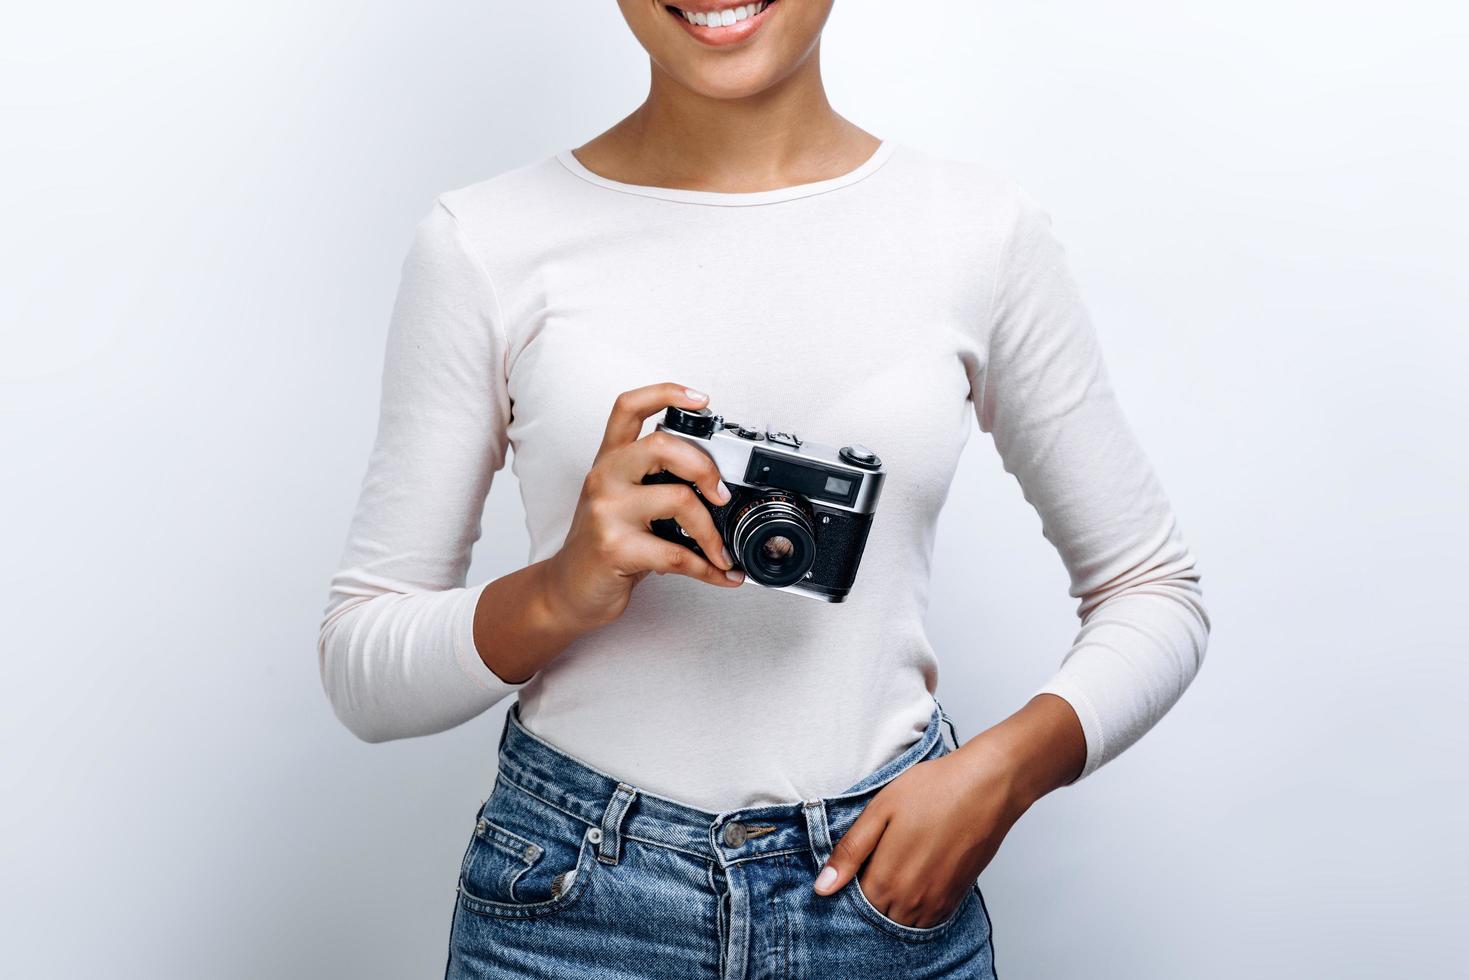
<point x="849" y="853"/>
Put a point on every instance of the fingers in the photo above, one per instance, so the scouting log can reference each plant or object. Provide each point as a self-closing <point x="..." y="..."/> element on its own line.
<point x="849" y="853"/>
<point x="661" y="451"/>
<point x="664" y="557"/>
<point x="632" y="407"/>
<point x="623" y="456"/>
<point x="679" y="502"/>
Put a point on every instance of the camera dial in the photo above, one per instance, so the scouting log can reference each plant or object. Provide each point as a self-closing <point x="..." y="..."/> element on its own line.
<point x="700" y="423"/>
<point x="859" y="455"/>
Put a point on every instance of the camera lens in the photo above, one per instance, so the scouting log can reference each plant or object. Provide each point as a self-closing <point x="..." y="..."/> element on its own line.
<point x="778" y="547"/>
<point x="774" y="541"/>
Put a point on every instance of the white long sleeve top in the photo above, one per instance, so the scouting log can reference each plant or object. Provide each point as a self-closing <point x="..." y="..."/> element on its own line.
<point x="888" y="306"/>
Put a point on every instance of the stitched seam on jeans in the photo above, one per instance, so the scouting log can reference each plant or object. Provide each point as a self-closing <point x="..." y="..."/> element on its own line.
<point x="767" y="854"/>
<point x="558" y="808"/>
<point x="701" y="855"/>
<point x="903" y="930"/>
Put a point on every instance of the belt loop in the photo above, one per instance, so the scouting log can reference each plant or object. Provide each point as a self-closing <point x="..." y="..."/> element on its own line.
<point x="609" y="849"/>
<point x="944" y="715"/>
<point x="505" y="726"/>
<point x="817" y="829"/>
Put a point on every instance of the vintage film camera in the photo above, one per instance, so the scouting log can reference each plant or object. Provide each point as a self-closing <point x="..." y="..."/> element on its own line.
<point x="799" y="512"/>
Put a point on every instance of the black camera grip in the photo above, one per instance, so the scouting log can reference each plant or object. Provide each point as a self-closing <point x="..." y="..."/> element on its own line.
<point x="667" y="528"/>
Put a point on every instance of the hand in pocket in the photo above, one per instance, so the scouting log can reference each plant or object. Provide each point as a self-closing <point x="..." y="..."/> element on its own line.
<point x="923" y="839"/>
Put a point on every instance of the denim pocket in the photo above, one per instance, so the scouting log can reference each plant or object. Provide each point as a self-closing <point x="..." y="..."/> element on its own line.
<point x="909" y="933"/>
<point x="525" y="858"/>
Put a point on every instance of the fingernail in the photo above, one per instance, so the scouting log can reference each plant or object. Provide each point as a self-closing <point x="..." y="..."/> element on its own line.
<point x="735" y="575"/>
<point x="728" y="558"/>
<point x="697" y="396"/>
<point x="824" y="880"/>
<point x="721" y="492"/>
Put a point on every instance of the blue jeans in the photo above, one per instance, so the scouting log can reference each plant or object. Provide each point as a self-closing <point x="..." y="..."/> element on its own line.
<point x="571" y="872"/>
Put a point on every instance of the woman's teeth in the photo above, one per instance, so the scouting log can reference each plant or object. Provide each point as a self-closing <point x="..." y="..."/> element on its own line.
<point x="723" y="18"/>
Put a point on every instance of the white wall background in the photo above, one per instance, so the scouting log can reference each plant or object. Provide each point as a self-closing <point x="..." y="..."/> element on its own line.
<point x="202" y="214"/>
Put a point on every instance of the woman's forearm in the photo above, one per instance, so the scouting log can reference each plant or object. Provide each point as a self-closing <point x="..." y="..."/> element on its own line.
<point x="519" y="626"/>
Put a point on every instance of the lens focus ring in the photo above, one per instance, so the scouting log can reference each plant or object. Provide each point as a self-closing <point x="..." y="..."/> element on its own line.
<point x="774" y="540"/>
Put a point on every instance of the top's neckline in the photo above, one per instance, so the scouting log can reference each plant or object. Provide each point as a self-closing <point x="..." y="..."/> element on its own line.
<point x="733" y="198"/>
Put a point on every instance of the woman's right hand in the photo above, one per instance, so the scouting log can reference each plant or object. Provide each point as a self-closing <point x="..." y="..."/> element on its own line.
<point x="610" y="547"/>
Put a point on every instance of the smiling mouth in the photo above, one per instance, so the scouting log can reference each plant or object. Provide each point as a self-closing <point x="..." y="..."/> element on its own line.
<point x="720" y="19"/>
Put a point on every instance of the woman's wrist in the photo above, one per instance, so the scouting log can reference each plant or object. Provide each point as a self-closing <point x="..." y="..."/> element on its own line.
<point x="1038" y="749"/>
<point x="521" y="622"/>
<point x="555" y="597"/>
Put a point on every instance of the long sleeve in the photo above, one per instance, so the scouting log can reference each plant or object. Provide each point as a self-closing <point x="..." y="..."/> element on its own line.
<point x="1045" y="396"/>
<point x="396" y="646"/>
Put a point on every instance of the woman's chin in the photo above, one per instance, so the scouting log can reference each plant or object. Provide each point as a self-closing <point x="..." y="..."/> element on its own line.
<point x="728" y="85"/>
<point x="733" y="76"/>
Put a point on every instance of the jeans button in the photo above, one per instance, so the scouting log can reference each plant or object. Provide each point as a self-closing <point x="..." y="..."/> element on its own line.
<point x="734" y="834"/>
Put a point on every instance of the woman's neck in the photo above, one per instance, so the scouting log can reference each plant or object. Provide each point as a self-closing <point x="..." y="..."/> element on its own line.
<point x="784" y="135"/>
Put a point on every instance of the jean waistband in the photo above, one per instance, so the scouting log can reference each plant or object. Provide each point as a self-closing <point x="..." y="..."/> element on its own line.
<point x="622" y="810"/>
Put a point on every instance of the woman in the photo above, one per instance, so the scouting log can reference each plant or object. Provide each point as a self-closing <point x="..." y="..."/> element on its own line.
<point x="701" y="777"/>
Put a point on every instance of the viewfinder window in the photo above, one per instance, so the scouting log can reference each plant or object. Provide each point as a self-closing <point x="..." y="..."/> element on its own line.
<point x="838" y="485"/>
<point x="803" y="476"/>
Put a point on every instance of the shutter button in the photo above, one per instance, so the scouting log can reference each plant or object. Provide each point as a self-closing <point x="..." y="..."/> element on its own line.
<point x="734" y="834"/>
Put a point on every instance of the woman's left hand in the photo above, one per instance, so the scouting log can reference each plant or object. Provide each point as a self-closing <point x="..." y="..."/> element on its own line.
<point x="927" y="835"/>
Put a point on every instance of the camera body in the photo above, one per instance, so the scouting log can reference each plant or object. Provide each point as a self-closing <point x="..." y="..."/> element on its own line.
<point x="799" y="512"/>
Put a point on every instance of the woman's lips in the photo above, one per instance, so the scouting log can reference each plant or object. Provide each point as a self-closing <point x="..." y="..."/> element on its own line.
<point x="737" y="29"/>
